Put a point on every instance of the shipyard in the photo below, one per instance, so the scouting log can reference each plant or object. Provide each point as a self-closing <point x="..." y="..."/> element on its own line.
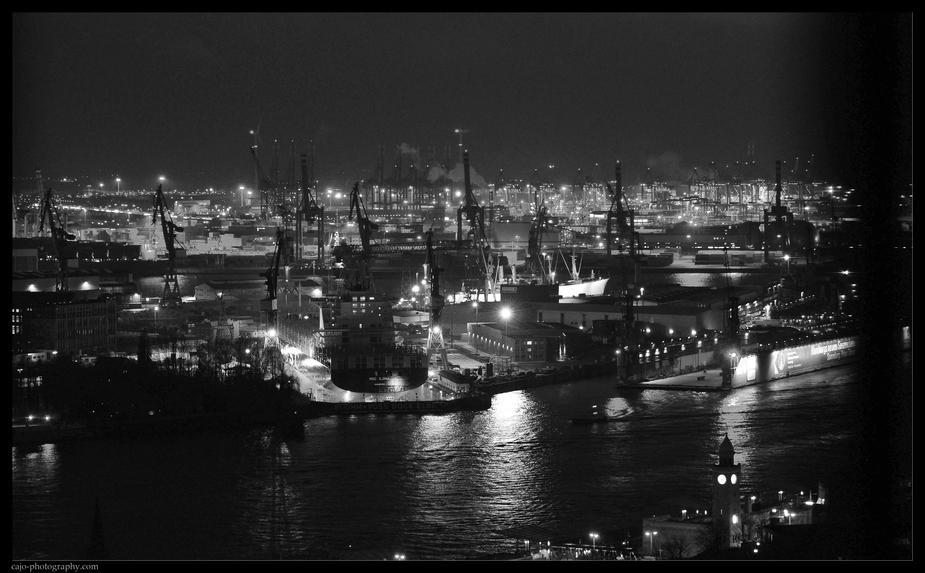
<point x="392" y="291"/>
<point x="462" y="286"/>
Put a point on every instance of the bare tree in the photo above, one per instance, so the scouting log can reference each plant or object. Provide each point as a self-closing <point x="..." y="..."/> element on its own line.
<point x="710" y="538"/>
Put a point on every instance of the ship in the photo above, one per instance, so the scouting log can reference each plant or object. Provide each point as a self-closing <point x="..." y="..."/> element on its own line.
<point x="360" y="351"/>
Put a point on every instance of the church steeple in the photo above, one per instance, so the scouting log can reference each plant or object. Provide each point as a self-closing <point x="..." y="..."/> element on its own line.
<point x="726" y="453"/>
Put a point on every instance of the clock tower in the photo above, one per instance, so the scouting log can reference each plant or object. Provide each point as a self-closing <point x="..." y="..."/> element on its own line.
<point x="727" y="507"/>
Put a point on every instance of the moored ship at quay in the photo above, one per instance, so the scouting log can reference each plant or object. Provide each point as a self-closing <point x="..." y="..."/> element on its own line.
<point x="375" y="369"/>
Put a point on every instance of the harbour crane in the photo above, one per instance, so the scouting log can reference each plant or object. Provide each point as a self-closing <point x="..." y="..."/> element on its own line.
<point x="60" y="237"/>
<point x="620" y="212"/>
<point x="365" y="227"/>
<point x="535" y="258"/>
<point x="311" y="211"/>
<point x="435" y="342"/>
<point x="269" y="304"/>
<point x="264" y="185"/>
<point x="171" y="296"/>
<point x="475" y="215"/>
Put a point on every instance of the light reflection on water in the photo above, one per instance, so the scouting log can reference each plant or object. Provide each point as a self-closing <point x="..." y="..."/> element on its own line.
<point x="436" y="486"/>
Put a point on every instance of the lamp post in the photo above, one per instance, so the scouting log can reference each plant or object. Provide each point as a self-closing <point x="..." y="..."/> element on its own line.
<point x="505" y="315"/>
<point x="155" y="318"/>
<point x="651" y="535"/>
<point x="118" y="185"/>
<point x="594" y="537"/>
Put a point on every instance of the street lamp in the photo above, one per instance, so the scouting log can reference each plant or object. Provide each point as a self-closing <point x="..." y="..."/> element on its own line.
<point x="594" y="537"/>
<point x="651" y="535"/>
<point x="155" y="317"/>
<point x="505" y="315"/>
<point x="118" y="185"/>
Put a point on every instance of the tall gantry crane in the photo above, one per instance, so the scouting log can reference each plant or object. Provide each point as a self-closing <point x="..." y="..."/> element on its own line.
<point x="435" y="342"/>
<point x="269" y="304"/>
<point x="311" y="211"/>
<point x="535" y="260"/>
<point x="171" y="296"/>
<point x="264" y="185"/>
<point x="475" y="215"/>
<point x="59" y="235"/>
<point x="365" y="227"/>
<point x="627" y="237"/>
<point x="620" y="212"/>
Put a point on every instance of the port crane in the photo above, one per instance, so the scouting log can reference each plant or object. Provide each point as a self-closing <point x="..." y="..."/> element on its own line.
<point x="269" y="304"/>
<point x="312" y="212"/>
<point x="60" y="237"/>
<point x="264" y="185"/>
<point x="535" y="260"/>
<point x="435" y="342"/>
<point x="475" y="215"/>
<point x="171" y="296"/>
<point x="365" y="227"/>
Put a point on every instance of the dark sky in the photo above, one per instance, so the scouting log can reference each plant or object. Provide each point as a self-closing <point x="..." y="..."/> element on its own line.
<point x="98" y="95"/>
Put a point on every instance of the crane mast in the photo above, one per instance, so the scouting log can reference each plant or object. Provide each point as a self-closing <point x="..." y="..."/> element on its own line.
<point x="60" y="236"/>
<point x="269" y="304"/>
<point x="365" y="227"/>
<point x="535" y="244"/>
<point x="171" y="296"/>
<point x="475" y="215"/>
<point x="264" y="185"/>
<point x="435" y="342"/>
<point x="311" y="211"/>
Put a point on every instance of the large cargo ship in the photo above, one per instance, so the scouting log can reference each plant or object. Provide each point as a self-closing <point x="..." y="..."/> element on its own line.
<point x="360" y="350"/>
<point x="375" y="369"/>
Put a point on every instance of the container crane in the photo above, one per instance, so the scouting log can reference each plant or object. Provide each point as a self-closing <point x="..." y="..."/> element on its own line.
<point x="60" y="237"/>
<point x="171" y="296"/>
<point x="435" y="342"/>
<point x="475" y="215"/>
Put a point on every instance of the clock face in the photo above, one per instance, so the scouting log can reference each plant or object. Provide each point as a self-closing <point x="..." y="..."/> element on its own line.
<point x="721" y="479"/>
<point x="733" y="478"/>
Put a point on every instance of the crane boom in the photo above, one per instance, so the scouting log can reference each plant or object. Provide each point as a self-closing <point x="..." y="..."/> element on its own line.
<point x="435" y="342"/>
<point x="365" y="227"/>
<point x="311" y="211"/>
<point x="171" y="296"/>
<point x="535" y="244"/>
<point x="269" y="304"/>
<point x="60" y="236"/>
<point x="475" y="215"/>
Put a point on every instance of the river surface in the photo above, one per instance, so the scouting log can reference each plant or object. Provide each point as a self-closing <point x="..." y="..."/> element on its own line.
<point x="433" y="486"/>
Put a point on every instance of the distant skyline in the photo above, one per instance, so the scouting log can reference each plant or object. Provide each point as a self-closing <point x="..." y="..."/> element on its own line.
<point x="137" y="96"/>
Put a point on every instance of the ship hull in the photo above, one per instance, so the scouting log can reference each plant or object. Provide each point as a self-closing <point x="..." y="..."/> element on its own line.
<point x="378" y="380"/>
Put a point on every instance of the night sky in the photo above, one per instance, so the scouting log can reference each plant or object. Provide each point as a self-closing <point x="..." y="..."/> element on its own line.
<point x="98" y="96"/>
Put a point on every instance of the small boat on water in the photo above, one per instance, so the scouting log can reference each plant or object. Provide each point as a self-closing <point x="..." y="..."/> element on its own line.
<point x="594" y="417"/>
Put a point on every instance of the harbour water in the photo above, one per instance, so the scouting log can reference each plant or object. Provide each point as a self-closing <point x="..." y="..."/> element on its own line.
<point x="435" y="486"/>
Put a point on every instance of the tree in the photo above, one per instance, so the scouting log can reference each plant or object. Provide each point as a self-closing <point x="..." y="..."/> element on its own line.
<point x="710" y="538"/>
<point x="679" y="546"/>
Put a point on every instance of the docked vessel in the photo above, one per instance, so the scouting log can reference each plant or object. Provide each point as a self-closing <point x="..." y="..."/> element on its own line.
<point x="360" y="350"/>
